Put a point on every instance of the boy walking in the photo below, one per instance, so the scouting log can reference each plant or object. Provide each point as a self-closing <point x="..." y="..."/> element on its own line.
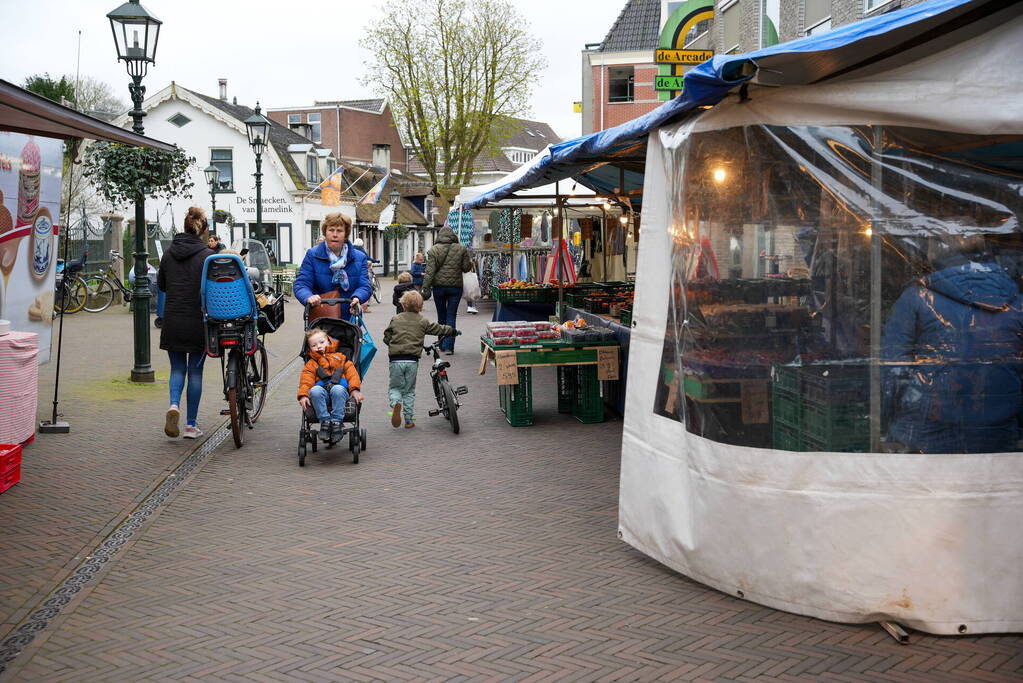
<point x="404" y="337"/>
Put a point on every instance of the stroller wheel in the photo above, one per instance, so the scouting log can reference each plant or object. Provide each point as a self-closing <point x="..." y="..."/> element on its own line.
<point x="362" y="438"/>
<point x="301" y="448"/>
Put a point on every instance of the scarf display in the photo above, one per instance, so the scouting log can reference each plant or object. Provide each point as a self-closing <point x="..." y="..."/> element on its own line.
<point x="461" y="223"/>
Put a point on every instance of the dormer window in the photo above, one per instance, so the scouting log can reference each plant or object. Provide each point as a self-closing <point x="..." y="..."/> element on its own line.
<point x="311" y="172"/>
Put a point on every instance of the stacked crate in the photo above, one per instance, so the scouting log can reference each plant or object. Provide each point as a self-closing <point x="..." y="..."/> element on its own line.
<point x="821" y="407"/>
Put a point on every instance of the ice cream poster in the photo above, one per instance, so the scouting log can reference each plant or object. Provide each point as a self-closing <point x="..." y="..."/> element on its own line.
<point x="30" y="170"/>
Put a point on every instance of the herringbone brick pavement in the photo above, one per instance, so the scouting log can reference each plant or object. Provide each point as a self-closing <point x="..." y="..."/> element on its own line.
<point x="490" y="555"/>
<point x="75" y="488"/>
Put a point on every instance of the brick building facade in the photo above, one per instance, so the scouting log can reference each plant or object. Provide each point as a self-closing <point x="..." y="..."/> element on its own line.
<point x="356" y="130"/>
<point x="618" y="72"/>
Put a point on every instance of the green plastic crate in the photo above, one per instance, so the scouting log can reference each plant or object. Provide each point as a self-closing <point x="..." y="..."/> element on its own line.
<point x="786" y="408"/>
<point x="517" y="399"/>
<point x="625" y="318"/>
<point x="566" y="388"/>
<point x="786" y="438"/>
<point x="532" y="295"/>
<point x="786" y="377"/>
<point x="576" y="299"/>
<point x="846" y="426"/>
<point x="588" y="406"/>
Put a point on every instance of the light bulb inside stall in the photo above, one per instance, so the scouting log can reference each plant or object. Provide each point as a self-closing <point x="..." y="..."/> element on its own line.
<point x="719" y="175"/>
<point x="868" y="232"/>
<point x="607" y="206"/>
<point x="624" y="220"/>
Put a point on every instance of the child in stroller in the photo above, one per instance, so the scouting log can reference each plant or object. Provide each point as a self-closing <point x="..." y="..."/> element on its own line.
<point x="329" y="389"/>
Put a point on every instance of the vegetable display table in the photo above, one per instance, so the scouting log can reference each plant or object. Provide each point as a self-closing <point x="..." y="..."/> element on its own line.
<point x="581" y="368"/>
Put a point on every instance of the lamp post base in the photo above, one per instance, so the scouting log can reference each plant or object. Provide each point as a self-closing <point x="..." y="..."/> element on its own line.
<point x="147" y="376"/>
<point x="59" y="427"/>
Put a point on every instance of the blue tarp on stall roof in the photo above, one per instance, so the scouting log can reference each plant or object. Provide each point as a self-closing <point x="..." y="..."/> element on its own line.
<point x="591" y="159"/>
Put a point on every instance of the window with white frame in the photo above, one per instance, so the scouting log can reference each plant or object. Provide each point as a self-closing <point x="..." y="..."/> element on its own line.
<point x="311" y="171"/>
<point x="731" y="25"/>
<point x="871" y="5"/>
<point x="819" y="28"/>
<point x="814" y="13"/>
<point x="620" y="84"/>
<point x="294" y="119"/>
<point x="314" y="123"/>
<point x="223" y="159"/>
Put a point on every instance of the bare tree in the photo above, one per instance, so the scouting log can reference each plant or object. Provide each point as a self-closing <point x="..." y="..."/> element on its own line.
<point x="96" y="98"/>
<point x="454" y="72"/>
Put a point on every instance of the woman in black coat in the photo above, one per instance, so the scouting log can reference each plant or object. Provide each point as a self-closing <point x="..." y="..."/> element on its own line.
<point x="181" y="335"/>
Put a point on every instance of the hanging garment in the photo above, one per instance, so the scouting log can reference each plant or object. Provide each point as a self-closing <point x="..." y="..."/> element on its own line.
<point x="461" y="222"/>
<point x="545" y="227"/>
<point x="508" y="231"/>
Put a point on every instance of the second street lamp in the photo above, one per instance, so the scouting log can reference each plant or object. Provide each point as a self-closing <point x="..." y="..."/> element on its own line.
<point x="212" y="179"/>
<point x="136" y="33"/>
<point x="395" y="198"/>
<point x="258" y="128"/>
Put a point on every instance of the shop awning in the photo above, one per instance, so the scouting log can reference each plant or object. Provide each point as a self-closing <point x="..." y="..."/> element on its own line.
<point x="599" y="160"/>
<point x="24" y="112"/>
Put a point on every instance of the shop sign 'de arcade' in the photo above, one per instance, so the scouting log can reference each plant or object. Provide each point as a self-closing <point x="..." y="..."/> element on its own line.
<point x="671" y="53"/>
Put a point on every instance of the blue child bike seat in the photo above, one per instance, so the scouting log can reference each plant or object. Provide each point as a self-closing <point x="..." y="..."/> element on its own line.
<point x="226" y="292"/>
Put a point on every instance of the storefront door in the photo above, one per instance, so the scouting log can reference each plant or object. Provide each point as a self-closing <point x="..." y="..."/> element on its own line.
<point x="267" y="234"/>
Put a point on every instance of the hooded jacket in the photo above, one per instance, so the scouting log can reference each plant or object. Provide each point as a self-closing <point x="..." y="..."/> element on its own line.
<point x="180" y="277"/>
<point x="959" y="332"/>
<point x="406" y="332"/>
<point x="446" y="261"/>
<point x="330" y="361"/>
<point x="315" y="277"/>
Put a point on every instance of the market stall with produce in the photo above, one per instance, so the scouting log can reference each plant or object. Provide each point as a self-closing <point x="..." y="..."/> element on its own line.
<point x="584" y="357"/>
<point x="824" y="415"/>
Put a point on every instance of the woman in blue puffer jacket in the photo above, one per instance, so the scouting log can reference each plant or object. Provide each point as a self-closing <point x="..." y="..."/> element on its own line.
<point x="959" y="332"/>
<point x="334" y="264"/>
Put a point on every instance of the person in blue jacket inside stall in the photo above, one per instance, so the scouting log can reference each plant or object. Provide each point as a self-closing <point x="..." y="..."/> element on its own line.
<point x="334" y="264"/>
<point x="953" y="343"/>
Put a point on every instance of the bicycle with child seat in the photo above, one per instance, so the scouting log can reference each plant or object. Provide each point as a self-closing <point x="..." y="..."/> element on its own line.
<point x="102" y="285"/>
<point x="445" y="395"/>
<point x="243" y="360"/>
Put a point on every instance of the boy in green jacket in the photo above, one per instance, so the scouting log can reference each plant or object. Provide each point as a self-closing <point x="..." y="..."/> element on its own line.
<point x="404" y="337"/>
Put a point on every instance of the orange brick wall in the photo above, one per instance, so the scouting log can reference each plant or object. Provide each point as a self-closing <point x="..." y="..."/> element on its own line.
<point x="615" y="113"/>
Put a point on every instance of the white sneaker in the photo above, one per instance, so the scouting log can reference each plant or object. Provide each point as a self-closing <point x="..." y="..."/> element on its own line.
<point x="191" y="432"/>
<point x="471" y="309"/>
<point x="170" y="426"/>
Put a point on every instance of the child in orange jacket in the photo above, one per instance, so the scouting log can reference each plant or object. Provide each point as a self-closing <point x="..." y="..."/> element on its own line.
<point x="327" y="374"/>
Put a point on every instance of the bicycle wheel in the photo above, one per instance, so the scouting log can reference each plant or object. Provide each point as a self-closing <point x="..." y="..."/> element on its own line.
<point x="74" y="294"/>
<point x="99" y="294"/>
<point x="376" y="289"/>
<point x="236" y="397"/>
<point x="450" y="408"/>
<point x="257" y="370"/>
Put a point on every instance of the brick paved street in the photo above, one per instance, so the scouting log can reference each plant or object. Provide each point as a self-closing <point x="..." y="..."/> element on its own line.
<point x="491" y="554"/>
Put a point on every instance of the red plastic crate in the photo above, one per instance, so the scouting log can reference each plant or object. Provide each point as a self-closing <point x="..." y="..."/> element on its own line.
<point x="10" y="466"/>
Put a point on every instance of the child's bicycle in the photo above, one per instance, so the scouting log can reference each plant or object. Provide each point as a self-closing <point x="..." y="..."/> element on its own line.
<point x="446" y="395"/>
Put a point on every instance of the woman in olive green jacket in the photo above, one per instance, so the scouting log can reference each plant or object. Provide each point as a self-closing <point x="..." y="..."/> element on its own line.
<point x="445" y="263"/>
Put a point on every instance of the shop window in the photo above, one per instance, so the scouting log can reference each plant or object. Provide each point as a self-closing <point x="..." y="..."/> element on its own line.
<point x="620" y="84"/>
<point x="224" y="160"/>
<point x="314" y="125"/>
<point x="846" y="288"/>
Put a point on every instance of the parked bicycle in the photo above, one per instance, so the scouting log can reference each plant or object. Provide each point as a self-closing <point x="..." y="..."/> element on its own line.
<point x="70" y="291"/>
<point x="102" y="285"/>
<point x="443" y="392"/>
<point x="374" y="284"/>
<point x="235" y="328"/>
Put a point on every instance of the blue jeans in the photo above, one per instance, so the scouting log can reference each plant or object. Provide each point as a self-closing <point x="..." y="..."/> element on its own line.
<point x="190" y="365"/>
<point x="338" y="399"/>
<point x="447" y="299"/>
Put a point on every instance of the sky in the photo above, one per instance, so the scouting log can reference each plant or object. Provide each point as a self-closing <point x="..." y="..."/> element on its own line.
<point x="268" y="54"/>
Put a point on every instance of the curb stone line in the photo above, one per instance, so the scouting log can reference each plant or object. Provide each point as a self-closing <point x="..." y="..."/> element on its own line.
<point x="25" y="632"/>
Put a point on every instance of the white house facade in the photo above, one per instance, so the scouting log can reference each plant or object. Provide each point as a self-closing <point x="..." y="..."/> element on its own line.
<point x="213" y="131"/>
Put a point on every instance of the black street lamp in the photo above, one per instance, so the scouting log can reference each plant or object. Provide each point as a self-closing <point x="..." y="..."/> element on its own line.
<point x="212" y="179"/>
<point x="136" y="33"/>
<point x="258" y="128"/>
<point x="395" y="198"/>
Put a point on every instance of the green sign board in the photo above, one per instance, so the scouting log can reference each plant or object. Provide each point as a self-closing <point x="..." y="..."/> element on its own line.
<point x="668" y="82"/>
<point x="672" y="56"/>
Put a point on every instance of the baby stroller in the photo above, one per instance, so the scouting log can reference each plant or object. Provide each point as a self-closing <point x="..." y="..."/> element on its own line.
<point x="349" y="337"/>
